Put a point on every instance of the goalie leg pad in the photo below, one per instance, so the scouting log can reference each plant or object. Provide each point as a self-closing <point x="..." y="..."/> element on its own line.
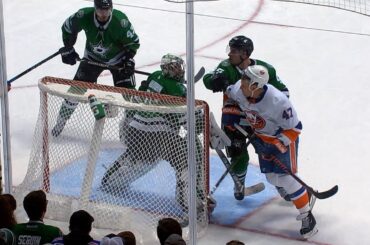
<point x="218" y="139"/>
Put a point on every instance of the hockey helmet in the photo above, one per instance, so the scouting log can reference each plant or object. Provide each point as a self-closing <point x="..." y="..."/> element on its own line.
<point x="173" y="66"/>
<point x="242" y="43"/>
<point x="103" y="4"/>
<point x="256" y="74"/>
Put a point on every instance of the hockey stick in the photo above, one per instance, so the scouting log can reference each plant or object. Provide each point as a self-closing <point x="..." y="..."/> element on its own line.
<point x="112" y="67"/>
<point x="197" y="76"/>
<point x="33" y="67"/>
<point x="250" y="190"/>
<point x="320" y="195"/>
<point x="226" y="171"/>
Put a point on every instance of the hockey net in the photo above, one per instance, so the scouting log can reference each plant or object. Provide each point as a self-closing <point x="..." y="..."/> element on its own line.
<point x="79" y="168"/>
<point x="357" y="6"/>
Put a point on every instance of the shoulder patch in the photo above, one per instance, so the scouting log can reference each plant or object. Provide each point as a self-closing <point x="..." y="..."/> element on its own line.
<point x="124" y="23"/>
<point x="80" y="13"/>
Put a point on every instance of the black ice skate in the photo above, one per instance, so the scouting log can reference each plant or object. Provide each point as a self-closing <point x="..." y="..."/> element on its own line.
<point x="239" y="192"/>
<point x="309" y="227"/>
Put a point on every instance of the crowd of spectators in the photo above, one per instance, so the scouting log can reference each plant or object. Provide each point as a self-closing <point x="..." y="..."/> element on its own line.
<point x="36" y="232"/>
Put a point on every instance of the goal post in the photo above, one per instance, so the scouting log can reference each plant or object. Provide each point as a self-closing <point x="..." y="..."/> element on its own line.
<point x="128" y="169"/>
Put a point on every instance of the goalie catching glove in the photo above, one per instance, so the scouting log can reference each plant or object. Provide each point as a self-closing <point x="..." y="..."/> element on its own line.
<point x="218" y="139"/>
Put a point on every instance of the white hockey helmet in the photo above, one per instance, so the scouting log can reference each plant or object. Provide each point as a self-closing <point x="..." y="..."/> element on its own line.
<point x="173" y="66"/>
<point x="257" y="74"/>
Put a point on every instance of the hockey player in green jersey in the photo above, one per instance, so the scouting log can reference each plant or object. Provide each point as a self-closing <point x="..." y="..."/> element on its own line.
<point x="228" y="72"/>
<point x="110" y="41"/>
<point x="147" y="130"/>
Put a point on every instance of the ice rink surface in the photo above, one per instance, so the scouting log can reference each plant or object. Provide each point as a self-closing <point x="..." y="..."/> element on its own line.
<point x="320" y="53"/>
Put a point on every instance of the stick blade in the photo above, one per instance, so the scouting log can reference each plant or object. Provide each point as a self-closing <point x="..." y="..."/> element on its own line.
<point x="199" y="75"/>
<point x="326" y="194"/>
<point x="254" y="189"/>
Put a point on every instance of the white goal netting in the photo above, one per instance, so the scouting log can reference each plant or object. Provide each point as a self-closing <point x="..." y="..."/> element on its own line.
<point x="128" y="169"/>
<point x="357" y="6"/>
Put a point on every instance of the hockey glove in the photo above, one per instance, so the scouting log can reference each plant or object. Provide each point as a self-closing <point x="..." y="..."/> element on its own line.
<point x="127" y="66"/>
<point x="218" y="139"/>
<point x="219" y="82"/>
<point x="144" y="85"/>
<point x="282" y="142"/>
<point x="69" y="55"/>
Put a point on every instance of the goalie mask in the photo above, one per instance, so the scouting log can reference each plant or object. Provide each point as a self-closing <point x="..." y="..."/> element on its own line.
<point x="173" y="66"/>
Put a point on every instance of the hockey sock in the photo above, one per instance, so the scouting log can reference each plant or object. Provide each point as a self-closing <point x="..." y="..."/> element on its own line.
<point x="240" y="168"/>
<point x="300" y="200"/>
<point x="67" y="109"/>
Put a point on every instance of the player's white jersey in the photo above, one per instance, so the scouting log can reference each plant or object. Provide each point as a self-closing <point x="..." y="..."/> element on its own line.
<point x="268" y="115"/>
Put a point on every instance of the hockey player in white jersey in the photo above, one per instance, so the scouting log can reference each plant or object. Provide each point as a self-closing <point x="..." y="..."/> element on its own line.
<point x="277" y="128"/>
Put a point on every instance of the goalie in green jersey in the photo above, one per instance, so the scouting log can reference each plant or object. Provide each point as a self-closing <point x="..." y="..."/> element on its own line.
<point x="154" y="136"/>
<point x="111" y="42"/>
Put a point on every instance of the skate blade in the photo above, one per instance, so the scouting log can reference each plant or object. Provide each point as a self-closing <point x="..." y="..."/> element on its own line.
<point x="254" y="189"/>
<point x="311" y="233"/>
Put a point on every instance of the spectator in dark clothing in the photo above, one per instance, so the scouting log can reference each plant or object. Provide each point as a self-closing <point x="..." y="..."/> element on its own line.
<point x="80" y="225"/>
<point x="6" y="213"/>
<point x="234" y="242"/>
<point x="167" y="227"/>
<point x="128" y="237"/>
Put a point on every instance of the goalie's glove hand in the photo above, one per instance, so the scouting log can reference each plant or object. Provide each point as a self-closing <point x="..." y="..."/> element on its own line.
<point x="127" y="66"/>
<point x="144" y="85"/>
<point x="218" y="138"/>
<point x="69" y="55"/>
<point x="219" y="82"/>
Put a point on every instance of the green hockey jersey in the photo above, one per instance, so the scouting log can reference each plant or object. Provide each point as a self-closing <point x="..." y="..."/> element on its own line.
<point x="156" y="121"/>
<point x="106" y="43"/>
<point x="35" y="233"/>
<point x="233" y="74"/>
<point x="158" y="83"/>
